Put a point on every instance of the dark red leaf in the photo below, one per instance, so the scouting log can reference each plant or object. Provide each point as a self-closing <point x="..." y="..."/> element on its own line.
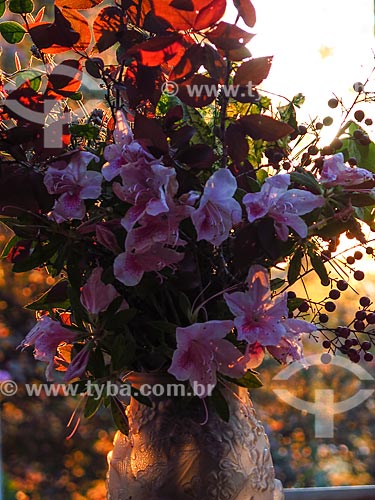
<point x="160" y="50"/>
<point x="22" y="188"/>
<point x="183" y="5"/>
<point x="65" y="79"/>
<point x="77" y="4"/>
<point x="182" y="136"/>
<point x="210" y="15"/>
<point x="198" y="156"/>
<point x="189" y="64"/>
<point x="265" y="127"/>
<point x="150" y="132"/>
<point x="173" y="115"/>
<point x="214" y="63"/>
<point x="194" y="14"/>
<point x="238" y="147"/>
<point x="23" y="103"/>
<point x="142" y="85"/>
<point x="228" y="36"/>
<point x="20" y="251"/>
<point x="198" y="91"/>
<point x="243" y="172"/>
<point x="253" y="71"/>
<point x="80" y="25"/>
<point x="238" y="54"/>
<point x="69" y="30"/>
<point x="107" y="27"/>
<point x="247" y="11"/>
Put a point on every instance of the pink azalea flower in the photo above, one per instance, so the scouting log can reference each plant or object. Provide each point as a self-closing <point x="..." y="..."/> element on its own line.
<point x="218" y="212"/>
<point x="259" y="317"/>
<point x="46" y="336"/>
<point x="124" y="151"/>
<point x="336" y="173"/>
<point x="283" y="205"/>
<point x="145" y="246"/>
<point x="147" y="188"/>
<point x="129" y="267"/>
<point x="202" y="351"/>
<point x="74" y="184"/>
<point x="78" y="365"/>
<point x="96" y="296"/>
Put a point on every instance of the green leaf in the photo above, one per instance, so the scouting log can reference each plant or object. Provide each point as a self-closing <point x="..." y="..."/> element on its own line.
<point x="21" y="6"/>
<point x="39" y="257"/>
<point x="362" y="200"/>
<point x="93" y="404"/>
<point x="295" y="267"/>
<point x="294" y="303"/>
<point x="12" y="32"/>
<point x="365" y="155"/>
<point x="220" y="404"/>
<point x="140" y="398"/>
<point x="56" y="297"/>
<point x="87" y="131"/>
<point x="306" y="179"/>
<point x="119" y="417"/>
<point x="249" y="380"/>
<point x="319" y="268"/>
<point x="123" y="351"/>
<point x="117" y="321"/>
<point x="2" y="7"/>
<point x="8" y="247"/>
<point x="34" y="77"/>
<point x="277" y="283"/>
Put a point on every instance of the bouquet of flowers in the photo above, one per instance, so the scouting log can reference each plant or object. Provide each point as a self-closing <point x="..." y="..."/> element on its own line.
<point x="176" y="215"/>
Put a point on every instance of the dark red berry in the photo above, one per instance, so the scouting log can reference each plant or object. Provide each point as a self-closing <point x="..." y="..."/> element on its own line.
<point x="368" y="356"/>
<point x="323" y="318"/>
<point x="334" y="294"/>
<point x="343" y="331"/>
<point x="365" y="301"/>
<point x="358" y="134"/>
<point x="348" y="343"/>
<point x="327" y="150"/>
<point x="359" y="275"/>
<point x="368" y="121"/>
<point x="359" y="115"/>
<point x="336" y="144"/>
<point x="369" y="250"/>
<point x="354" y="356"/>
<point x="292" y="295"/>
<point x="326" y="344"/>
<point x="358" y="87"/>
<point x="327" y="121"/>
<point x="350" y="259"/>
<point x="330" y="306"/>
<point x="366" y="345"/>
<point x="333" y="103"/>
<point x="358" y="255"/>
<point x="370" y="318"/>
<point x="318" y="125"/>
<point x="313" y="150"/>
<point x="342" y="285"/>
<point x="302" y="129"/>
<point x="359" y="325"/>
<point x="304" y="307"/>
<point x="361" y="315"/>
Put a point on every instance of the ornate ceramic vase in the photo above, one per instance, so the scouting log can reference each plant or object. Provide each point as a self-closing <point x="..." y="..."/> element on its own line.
<point x="171" y="454"/>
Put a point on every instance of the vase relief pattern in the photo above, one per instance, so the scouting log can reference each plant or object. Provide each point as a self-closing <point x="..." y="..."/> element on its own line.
<point x="170" y="455"/>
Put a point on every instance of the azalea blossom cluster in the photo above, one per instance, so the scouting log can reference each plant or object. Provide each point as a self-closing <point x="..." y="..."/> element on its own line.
<point x="155" y="208"/>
